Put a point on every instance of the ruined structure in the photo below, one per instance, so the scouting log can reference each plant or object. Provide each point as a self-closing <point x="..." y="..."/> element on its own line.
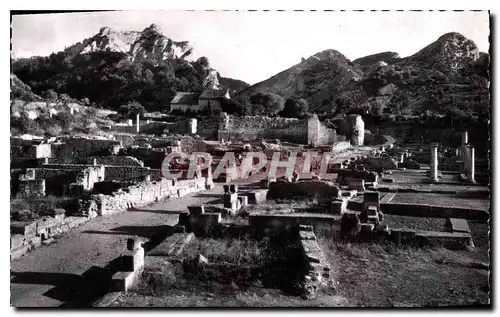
<point x="357" y="129"/>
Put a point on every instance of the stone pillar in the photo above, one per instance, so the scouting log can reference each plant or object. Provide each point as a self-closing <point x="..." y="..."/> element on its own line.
<point x="137" y="123"/>
<point x="465" y="158"/>
<point x="434" y="163"/>
<point x="357" y="129"/>
<point x="471" y="169"/>
<point x="193" y="126"/>
<point x="94" y="161"/>
<point x="465" y="137"/>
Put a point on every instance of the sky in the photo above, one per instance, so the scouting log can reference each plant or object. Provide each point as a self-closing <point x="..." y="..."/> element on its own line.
<point x="253" y="46"/>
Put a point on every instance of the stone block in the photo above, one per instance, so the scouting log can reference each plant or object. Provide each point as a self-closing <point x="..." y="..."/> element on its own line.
<point x="196" y="210"/>
<point x="134" y="261"/>
<point x="134" y="243"/>
<point x="233" y="188"/>
<point x="211" y="219"/>
<point x="181" y="192"/>
<point x="257" y="197"/>
<point x="356" y="184"/>
<point x="338" y="206"/>
<point x="181" y="244"/>
<point x="123" y="281"/>
<point x="243" y="201"/>
<point x="457" y="225"/>
<point x="165" y="248"/>
<point x="230" y="200"/>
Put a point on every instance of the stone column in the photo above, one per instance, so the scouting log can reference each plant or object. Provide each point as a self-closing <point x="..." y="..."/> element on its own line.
<point x="434" y="163"/>
<point x="463" y="147"/>
<point x="471" y="169"/>
<point x="465" y="137"/>
<point x="137" y="123"/>
<point x="465" y="158"/>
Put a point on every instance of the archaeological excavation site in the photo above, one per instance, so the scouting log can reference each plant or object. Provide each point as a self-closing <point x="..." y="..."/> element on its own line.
<point x="141" y="177"/>
<point x="315" y="231"/>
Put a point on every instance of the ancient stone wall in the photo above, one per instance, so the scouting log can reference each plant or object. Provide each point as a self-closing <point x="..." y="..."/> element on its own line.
<point x="261" y="127"/>
<point x="208" y="127"/>
<point x="79" y="148"/>
<point x="318" y="134"/>
<point x="126" y="173"/>
<point x="319" y="189"/>
<point x="357" y="129"/>
<point x="151" y="158"/>
<point x="30" y="151"/>
<point x="318" y="271"/>
<point x="31" y="188"/>
<point x="142" y="194"/>
<point x="114" y="160"/>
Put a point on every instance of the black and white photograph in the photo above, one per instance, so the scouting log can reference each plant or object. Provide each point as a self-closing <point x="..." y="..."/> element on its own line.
<point x="250" y="159"/>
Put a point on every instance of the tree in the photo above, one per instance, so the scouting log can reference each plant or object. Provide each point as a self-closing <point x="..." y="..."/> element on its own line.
<point x="267" y="103"/>
<point x="49" y="94"/>
<point x="131" y="109"/>
<point x="294" y="108"/>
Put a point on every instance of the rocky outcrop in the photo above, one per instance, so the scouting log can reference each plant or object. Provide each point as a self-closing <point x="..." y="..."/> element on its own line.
<point x="149" y="44"/>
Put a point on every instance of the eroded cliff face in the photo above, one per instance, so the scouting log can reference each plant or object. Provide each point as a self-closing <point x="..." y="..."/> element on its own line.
<point x="149" y="44"/>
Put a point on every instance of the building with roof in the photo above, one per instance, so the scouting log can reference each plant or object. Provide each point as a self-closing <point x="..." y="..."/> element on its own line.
<point x="207" y="100"/>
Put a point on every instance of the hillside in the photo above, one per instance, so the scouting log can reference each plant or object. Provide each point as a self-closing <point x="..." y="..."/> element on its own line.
<point x="19" y="90"/>
<point x="448" y="76"/>
<point x="113" y="68"/>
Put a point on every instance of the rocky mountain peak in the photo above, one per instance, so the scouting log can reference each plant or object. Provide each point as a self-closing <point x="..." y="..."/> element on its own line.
<point x="150" y="43"/>
<point x="450" y="52"/>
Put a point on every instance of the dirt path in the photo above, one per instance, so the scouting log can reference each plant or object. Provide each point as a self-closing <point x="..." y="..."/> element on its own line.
<point x="41" y="277"/>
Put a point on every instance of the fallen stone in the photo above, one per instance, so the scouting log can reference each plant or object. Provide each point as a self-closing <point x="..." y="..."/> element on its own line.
<point x="458" y="225"/>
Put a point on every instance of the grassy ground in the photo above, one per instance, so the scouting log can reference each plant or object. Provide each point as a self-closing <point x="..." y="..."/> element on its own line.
<point x="368" y="275"/>
<point x="234" y="251"/>
<point x="383" y="276"/>
<point x="417" y="223"/>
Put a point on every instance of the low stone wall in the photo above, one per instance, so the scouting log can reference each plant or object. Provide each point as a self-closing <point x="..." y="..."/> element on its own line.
<point x="141" y="195"/>
<point x="261" y="127"/>
<point x="287" y="223"/>
<point x="316" y="267"/>
<point x="28" y="235"/>
<point x="114" y="160"/>
<point x="424" y="210"/>
<point x="320" y="189"/>
<point x="126" y="173"/>
<point x="449" y="240"/>
<point x="78" y="148"/>
<point x="34" y="151"/>
<point x="31" y="188"/>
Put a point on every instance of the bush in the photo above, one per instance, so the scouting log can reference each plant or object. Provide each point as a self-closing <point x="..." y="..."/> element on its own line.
<point x="295" y="108"/>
